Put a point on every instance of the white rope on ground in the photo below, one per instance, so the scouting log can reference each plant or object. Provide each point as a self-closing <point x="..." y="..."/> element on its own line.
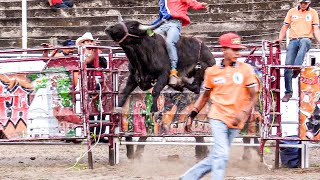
<point x="77" y="164"/>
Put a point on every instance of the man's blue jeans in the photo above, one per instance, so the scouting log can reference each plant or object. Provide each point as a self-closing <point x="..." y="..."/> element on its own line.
<point x="296" y="52"/>
<point x="172" y="31"/>
<point x="219" y="155"/>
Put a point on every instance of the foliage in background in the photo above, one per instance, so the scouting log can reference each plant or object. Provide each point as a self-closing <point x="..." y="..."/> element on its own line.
<point x="63" y="88"/>
<point x="63" y="82"/>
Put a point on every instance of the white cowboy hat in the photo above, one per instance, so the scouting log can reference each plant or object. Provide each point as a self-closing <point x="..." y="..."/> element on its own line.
<point x="86" y="36"/>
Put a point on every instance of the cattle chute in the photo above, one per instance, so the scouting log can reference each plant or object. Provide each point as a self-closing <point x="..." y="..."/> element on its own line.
<point x="135" y="120"/>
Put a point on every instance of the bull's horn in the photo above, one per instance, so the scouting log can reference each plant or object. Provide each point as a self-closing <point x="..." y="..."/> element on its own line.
<point x="145" y="27"/>
<point x="120" y="18"/>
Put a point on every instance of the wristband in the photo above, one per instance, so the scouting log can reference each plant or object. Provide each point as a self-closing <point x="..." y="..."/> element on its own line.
<point x="193" y="114"/>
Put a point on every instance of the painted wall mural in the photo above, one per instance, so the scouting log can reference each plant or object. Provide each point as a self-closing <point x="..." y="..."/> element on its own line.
<point x="41" y="105"/>
<point x="14" y="104"/>
<point x="174" y="108"/>
<point x="37" y="105"/>
<point x="310" y="103"/>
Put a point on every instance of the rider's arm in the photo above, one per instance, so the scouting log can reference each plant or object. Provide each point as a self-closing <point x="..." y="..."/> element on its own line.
<point x="196" y="5"/>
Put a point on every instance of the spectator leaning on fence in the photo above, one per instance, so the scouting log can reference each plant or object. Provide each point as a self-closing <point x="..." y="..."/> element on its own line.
<point x="87" y="40"/>
<point x="232" y="88"/>
<point x="303" y="22"/>
<point x="91" y="53"/>
<point x="68" y="51"/>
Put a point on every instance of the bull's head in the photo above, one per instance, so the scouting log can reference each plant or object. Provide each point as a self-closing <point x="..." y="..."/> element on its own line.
<point x="134" y="29"/>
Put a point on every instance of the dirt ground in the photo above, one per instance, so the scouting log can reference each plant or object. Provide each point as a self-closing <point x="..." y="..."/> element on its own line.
<point x="56" y="162"/>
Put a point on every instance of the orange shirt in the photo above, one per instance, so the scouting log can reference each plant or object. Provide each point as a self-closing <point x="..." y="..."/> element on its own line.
<point x="301" y="23"/>
<point x="229" y="90"/>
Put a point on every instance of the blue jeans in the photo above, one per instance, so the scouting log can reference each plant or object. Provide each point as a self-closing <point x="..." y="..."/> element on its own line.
<point x="296" y="52"/>
<point x="61" y="5"/>
<point x="172" y="31"/>
<point x="65" y="4"/>
<point x="219" y="155"/>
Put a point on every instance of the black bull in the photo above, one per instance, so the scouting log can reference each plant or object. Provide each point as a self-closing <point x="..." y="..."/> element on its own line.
<point x="149" y="65"/>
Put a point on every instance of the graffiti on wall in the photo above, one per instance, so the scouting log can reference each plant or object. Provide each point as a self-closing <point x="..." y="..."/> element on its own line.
<point x="37" y="105"/>
<point x="15" y="97"/>
<point x="174" y="108"/>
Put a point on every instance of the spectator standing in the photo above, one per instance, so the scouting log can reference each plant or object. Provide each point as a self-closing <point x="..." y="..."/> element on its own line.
<point x="303" y="22"/>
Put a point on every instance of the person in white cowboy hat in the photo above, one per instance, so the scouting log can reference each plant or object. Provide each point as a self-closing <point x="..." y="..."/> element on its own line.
<point x="91" y="53"/>
<point x="87" y="40"/>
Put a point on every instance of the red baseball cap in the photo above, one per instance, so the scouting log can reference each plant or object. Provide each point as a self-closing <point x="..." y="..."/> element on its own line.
<point x="231" y="40"/>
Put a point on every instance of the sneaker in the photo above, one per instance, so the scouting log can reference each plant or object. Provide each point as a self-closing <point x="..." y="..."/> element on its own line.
<point x="173" y="81"/>
<point x="286" y="97"/>
<point x="295" y="73"/>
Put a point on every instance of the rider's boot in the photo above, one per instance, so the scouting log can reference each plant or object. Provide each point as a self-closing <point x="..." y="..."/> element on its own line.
<point x="173" y="81"/>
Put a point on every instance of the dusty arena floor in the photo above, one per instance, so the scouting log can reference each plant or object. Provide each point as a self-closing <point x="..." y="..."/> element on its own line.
<point x="52" y="162"/>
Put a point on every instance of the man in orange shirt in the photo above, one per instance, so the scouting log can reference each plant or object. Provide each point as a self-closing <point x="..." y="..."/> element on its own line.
<point x="232" y="88"/>
<point x="304" y="23"/>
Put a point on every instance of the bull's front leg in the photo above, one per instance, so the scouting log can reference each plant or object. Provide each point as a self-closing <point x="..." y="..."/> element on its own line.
<point x="196" y="84"/>
<point x="161" y="83"/>
<point x="130" y="86"/>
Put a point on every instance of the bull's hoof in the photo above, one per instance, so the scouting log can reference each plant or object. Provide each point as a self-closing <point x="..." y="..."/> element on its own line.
<point x="137" y="155"/>
<point x="130" y="149"/>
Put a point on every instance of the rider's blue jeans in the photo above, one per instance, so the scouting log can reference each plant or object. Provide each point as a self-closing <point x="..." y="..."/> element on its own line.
<point x="172" y="31"/>
<point x="296" y="52"/>
<point x="217" y="161"/>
